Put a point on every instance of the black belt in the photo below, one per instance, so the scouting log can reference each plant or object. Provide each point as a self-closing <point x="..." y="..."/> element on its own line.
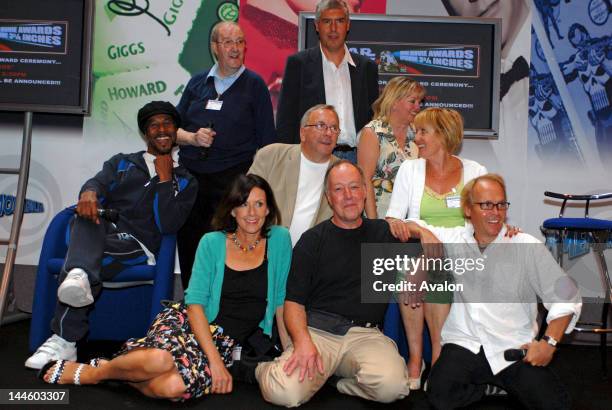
<point x="344" y="148"/>
<point x="334" y="323"/>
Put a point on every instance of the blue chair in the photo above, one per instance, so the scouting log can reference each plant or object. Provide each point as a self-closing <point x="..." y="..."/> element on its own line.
<point x="595" y="233"/>
<point x="126" y="305"/>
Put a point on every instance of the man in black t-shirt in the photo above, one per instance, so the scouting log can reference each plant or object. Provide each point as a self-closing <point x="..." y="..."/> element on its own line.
<point x="333" y="332"/>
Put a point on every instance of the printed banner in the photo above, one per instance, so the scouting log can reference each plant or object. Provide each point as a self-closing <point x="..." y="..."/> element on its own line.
<point x="18" y="36"/>
<point x="448" y="60"/>
<point x="571" y="87"/>
<point x="146" y="51"/>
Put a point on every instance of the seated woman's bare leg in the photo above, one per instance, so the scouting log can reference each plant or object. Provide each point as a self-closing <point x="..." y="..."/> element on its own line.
<point x="436" y="314"/>
<point x="169" y="385"/>
<point x="413" y="326"/>
<point x="135" y="366"/>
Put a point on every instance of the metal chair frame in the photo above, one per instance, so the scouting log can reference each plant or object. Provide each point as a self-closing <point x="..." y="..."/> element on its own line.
<point x="598" y="245"/>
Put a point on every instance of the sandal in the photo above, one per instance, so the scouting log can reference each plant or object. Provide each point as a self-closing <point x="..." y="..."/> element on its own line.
<point x="59" y="371"/>
<point x="414" y="383"/>
<point x="95" y="362"/>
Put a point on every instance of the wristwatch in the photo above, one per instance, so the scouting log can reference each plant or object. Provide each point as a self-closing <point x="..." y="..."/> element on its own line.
<point x="550" y="340"/>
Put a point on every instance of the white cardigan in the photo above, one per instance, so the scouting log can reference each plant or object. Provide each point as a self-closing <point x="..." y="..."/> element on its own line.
<point x="410" y="184"/>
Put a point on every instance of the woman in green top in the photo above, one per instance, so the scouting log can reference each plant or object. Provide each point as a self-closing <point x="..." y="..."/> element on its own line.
<point x="236" y="290"/>
<point x="429" y="188"/>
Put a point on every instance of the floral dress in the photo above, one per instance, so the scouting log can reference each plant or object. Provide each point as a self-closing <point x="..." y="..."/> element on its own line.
<point x="389" y="160"/>
<point x="171" y="331"/>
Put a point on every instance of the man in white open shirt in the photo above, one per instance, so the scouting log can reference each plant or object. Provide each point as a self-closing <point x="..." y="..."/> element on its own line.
<point x="496" y="308"/>
<point x="329" y="73"/>
<point x="296" y="171"/>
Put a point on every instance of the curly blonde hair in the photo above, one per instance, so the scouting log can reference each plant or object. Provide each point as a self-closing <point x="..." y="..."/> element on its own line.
<point x="396" y="89"/>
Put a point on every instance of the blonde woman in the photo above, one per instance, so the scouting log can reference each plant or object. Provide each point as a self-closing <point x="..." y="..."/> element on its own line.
<point x="429" y="188"/>
<point x="385" y="142"/>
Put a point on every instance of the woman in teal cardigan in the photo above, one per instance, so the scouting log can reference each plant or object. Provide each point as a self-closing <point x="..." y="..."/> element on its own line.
<point x="236" y="290"/>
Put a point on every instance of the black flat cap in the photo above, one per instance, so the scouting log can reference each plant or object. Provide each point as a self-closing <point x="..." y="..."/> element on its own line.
<point x="154" y="108"/>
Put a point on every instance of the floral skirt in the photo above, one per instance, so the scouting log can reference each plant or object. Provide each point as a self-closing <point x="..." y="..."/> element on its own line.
<point x="171" y="331"/>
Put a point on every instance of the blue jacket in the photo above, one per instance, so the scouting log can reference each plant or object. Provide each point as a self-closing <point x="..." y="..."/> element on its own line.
<point x="147" y="208"/>
<point x="209" y="268"/>
<point x="244" y="123"/>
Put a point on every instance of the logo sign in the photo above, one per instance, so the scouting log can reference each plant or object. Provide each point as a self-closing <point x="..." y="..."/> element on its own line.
<point x="228" y="12"/>
<point x="599" y="11"/>
<point x="21" y="36"/>
<point x="136" y="8"/>
<point x="432" y="60"/>
<point x="7" y="206"/>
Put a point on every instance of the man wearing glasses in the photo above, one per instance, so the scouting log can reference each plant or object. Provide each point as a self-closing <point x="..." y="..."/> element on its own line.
<point x="227" y="116"/>
<point x="329" y="74"/>
<point x="296" y="171"/>
<point x="496" y="307"/>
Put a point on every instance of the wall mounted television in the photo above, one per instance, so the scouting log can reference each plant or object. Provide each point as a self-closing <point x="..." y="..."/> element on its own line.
<point x="45" y="55"/>
<point x="457" y="59"/>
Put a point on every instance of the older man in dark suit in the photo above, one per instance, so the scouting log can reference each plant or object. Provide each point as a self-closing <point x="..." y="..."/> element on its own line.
<point x="332" y="75"/>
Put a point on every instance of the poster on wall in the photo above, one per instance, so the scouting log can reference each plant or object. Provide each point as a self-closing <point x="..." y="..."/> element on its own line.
<point x="552" y="135"/>
<point x="571" y="85"/>
<point x="146" y="51"/>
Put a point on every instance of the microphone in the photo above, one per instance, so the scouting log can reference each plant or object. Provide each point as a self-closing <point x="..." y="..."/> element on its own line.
<point x="204" y="150"/>
<point x="111" y="215"/>
<point x="514" y="355"/>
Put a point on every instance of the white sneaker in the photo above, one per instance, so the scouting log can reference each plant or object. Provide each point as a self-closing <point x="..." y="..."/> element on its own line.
<point x="75" y="290"/>
<point x="55" y="348"/>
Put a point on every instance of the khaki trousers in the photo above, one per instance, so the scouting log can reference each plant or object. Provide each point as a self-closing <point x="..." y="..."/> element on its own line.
<point x="366" y="361"/>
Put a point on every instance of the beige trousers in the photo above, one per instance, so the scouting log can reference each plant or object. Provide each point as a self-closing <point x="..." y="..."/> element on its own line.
<point x="366" y="361"/>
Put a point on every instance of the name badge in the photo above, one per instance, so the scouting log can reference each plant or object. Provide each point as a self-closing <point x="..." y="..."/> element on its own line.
<point x="214" y="105"/>
<point x="453" y="201"/>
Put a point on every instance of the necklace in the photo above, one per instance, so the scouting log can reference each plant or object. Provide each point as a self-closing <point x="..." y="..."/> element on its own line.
<point x="244" y="248"/>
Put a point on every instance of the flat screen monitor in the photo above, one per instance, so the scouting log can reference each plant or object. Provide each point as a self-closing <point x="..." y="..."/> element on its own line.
<point x="45" y="55"/>
<point x="457" y="59"/>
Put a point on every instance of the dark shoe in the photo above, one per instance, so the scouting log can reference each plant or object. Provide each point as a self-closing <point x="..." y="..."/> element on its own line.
<point x="243" y="370"/>
<point x="333" y="381"/>
<point x="492" y="390"/>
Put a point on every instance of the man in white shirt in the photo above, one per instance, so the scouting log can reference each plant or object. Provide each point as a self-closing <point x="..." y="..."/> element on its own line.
<point x="495" y="308"/>
<point x="329" y="74"/>
<point x="296" y="171"/>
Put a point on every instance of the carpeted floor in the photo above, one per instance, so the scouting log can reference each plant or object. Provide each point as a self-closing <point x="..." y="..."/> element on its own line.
<point x="577" y="366"/>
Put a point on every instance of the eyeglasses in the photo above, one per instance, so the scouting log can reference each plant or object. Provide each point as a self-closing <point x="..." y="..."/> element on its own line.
<point x="322" y="127"/>
<point x="228" y="43"/>
<point x="488" y="206"/>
